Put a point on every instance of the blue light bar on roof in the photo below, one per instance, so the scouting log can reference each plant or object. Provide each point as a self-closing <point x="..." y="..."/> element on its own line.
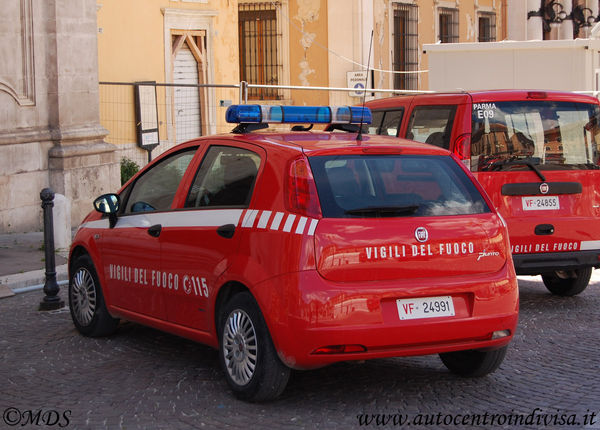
<point x="298" y="114"/>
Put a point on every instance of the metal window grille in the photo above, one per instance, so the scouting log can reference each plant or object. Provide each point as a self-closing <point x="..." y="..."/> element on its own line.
<point x="448" y="25"/>
<point x="487" y="27"/>
<point x="406" y="46"/>
<point x="259" y="57"/>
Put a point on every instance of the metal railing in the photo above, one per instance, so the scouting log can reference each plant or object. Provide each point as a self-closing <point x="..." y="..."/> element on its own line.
<point x="179" y="112"/>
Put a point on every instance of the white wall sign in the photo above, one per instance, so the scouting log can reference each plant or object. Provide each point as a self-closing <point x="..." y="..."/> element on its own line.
<point x="357" y="80"/>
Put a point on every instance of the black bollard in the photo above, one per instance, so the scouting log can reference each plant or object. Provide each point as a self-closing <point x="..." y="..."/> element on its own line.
<point x="51" y="288"/>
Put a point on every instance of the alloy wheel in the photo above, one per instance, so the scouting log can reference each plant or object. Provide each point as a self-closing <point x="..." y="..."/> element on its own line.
<point x="240" y="347"/>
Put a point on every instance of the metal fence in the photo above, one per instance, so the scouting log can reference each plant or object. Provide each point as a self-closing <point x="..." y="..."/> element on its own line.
<point x="138" y="113"/>
<point x="173" y="114"/>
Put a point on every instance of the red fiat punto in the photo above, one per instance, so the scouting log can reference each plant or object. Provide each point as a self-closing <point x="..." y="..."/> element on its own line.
<point x="299" y="249"/>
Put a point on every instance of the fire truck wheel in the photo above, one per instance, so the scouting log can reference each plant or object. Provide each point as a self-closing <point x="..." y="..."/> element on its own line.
<point x="567" y="282"/>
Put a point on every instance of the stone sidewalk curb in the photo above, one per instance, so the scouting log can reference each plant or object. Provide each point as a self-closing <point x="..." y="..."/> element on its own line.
<point x="9" y="283"/>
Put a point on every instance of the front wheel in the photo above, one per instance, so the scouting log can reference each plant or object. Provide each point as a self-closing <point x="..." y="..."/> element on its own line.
<point x="567" y="282"/>
<point x="473" y="362"/>
<point x="86" y="301"/>
<point x="251" y="365"/>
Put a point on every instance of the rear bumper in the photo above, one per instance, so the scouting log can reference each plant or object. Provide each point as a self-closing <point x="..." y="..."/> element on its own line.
<point x="536" y="264"/>
<point x="315" y="313"/>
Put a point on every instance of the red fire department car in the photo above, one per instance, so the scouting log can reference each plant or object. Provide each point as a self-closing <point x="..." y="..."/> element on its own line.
<point x="301" y="249"/>
<point x="536" y="153"/>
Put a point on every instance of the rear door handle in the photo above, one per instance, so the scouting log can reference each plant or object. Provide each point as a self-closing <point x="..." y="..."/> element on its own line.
<point x="226" y="231"/>
<point x="155" y="230"/>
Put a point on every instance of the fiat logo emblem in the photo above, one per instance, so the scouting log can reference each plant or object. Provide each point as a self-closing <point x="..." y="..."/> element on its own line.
<point x="421" y="234"/>
<point x="544" y="188"/>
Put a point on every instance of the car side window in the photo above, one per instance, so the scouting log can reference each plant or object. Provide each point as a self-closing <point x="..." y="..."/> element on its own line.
<point x="391" y="122"/>
<point x="385" y="122"/>
<point x="432" y="124"/>
<point x="155" y="189"/>
<point x="377" y="117"/>
<point x="225" y="178"/>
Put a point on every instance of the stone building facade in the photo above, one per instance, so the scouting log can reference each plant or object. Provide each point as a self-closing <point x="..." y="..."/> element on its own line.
<point x="50" y="133"/>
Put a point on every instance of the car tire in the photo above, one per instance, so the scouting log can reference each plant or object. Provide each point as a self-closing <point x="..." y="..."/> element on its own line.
<point x="568" y="282"/>
<point x="252" y="368"/>
<point x="473" y="362"/>
<point x="86" y="302"/>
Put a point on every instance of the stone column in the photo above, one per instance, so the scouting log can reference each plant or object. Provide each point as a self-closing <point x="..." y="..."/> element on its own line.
<point x="535" y="29"/>
<point x="81" y="165"/>
<point x="516" y="19"/>
<point x="565" y="31"/>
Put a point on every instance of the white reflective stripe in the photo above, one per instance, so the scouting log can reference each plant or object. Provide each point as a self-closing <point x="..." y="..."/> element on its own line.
<point x="101" y="223"/>
<point x="250" y="218"/>
<point x="192" y="218"/>
<point x="135" y="221"/>
<point x="587" y="245"/>
<point x="301" y="224"/>
<point x="312" y="227"/>
<point x="264" y="219"/>
<point x="198" y="218"/>
<point x="277" y="221"/>
<point x="289" y="222"/>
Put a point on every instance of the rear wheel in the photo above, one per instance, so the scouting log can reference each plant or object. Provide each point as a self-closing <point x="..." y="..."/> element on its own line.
<point x="86" y="301"/>
<point x="251" y="365"/>
<point x="567" y="282"/>
<point x="473" y="362"/>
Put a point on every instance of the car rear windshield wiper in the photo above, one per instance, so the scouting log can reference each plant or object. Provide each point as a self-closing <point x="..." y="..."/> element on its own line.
<point x="521" y="162"/>
<point x="385" y="211"/>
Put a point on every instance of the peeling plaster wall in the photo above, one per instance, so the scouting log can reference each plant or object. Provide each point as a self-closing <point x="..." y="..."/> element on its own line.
<point x="381" y="43"/>
<point x="308" y="52"/>
<point x="471" y="28"/>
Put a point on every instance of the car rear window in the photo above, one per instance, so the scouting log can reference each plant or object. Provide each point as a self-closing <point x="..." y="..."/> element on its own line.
<point x="393" y="186"/>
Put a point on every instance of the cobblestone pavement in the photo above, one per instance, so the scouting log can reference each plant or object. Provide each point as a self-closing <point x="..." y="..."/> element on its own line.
<point x="142" y="378"/>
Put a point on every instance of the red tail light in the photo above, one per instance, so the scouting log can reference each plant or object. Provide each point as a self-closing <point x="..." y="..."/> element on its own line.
<point x="462" y="149"/>
<point x="301" y="190"/>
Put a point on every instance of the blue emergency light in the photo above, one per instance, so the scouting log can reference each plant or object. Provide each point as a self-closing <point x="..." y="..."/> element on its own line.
<point x="298" y="114"/>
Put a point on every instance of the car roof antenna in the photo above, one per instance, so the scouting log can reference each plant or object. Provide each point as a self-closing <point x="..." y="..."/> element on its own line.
<point x="362" y="115"/>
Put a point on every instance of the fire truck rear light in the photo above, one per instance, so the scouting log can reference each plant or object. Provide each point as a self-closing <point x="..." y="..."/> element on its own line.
<point x="340" y="349"/>
<point x="462" y="149"/>
<point x="537" y="95"/>
<point x="500" y="334"/>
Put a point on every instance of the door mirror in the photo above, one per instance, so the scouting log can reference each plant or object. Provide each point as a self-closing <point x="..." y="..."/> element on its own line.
<point x="107" y="203"/>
